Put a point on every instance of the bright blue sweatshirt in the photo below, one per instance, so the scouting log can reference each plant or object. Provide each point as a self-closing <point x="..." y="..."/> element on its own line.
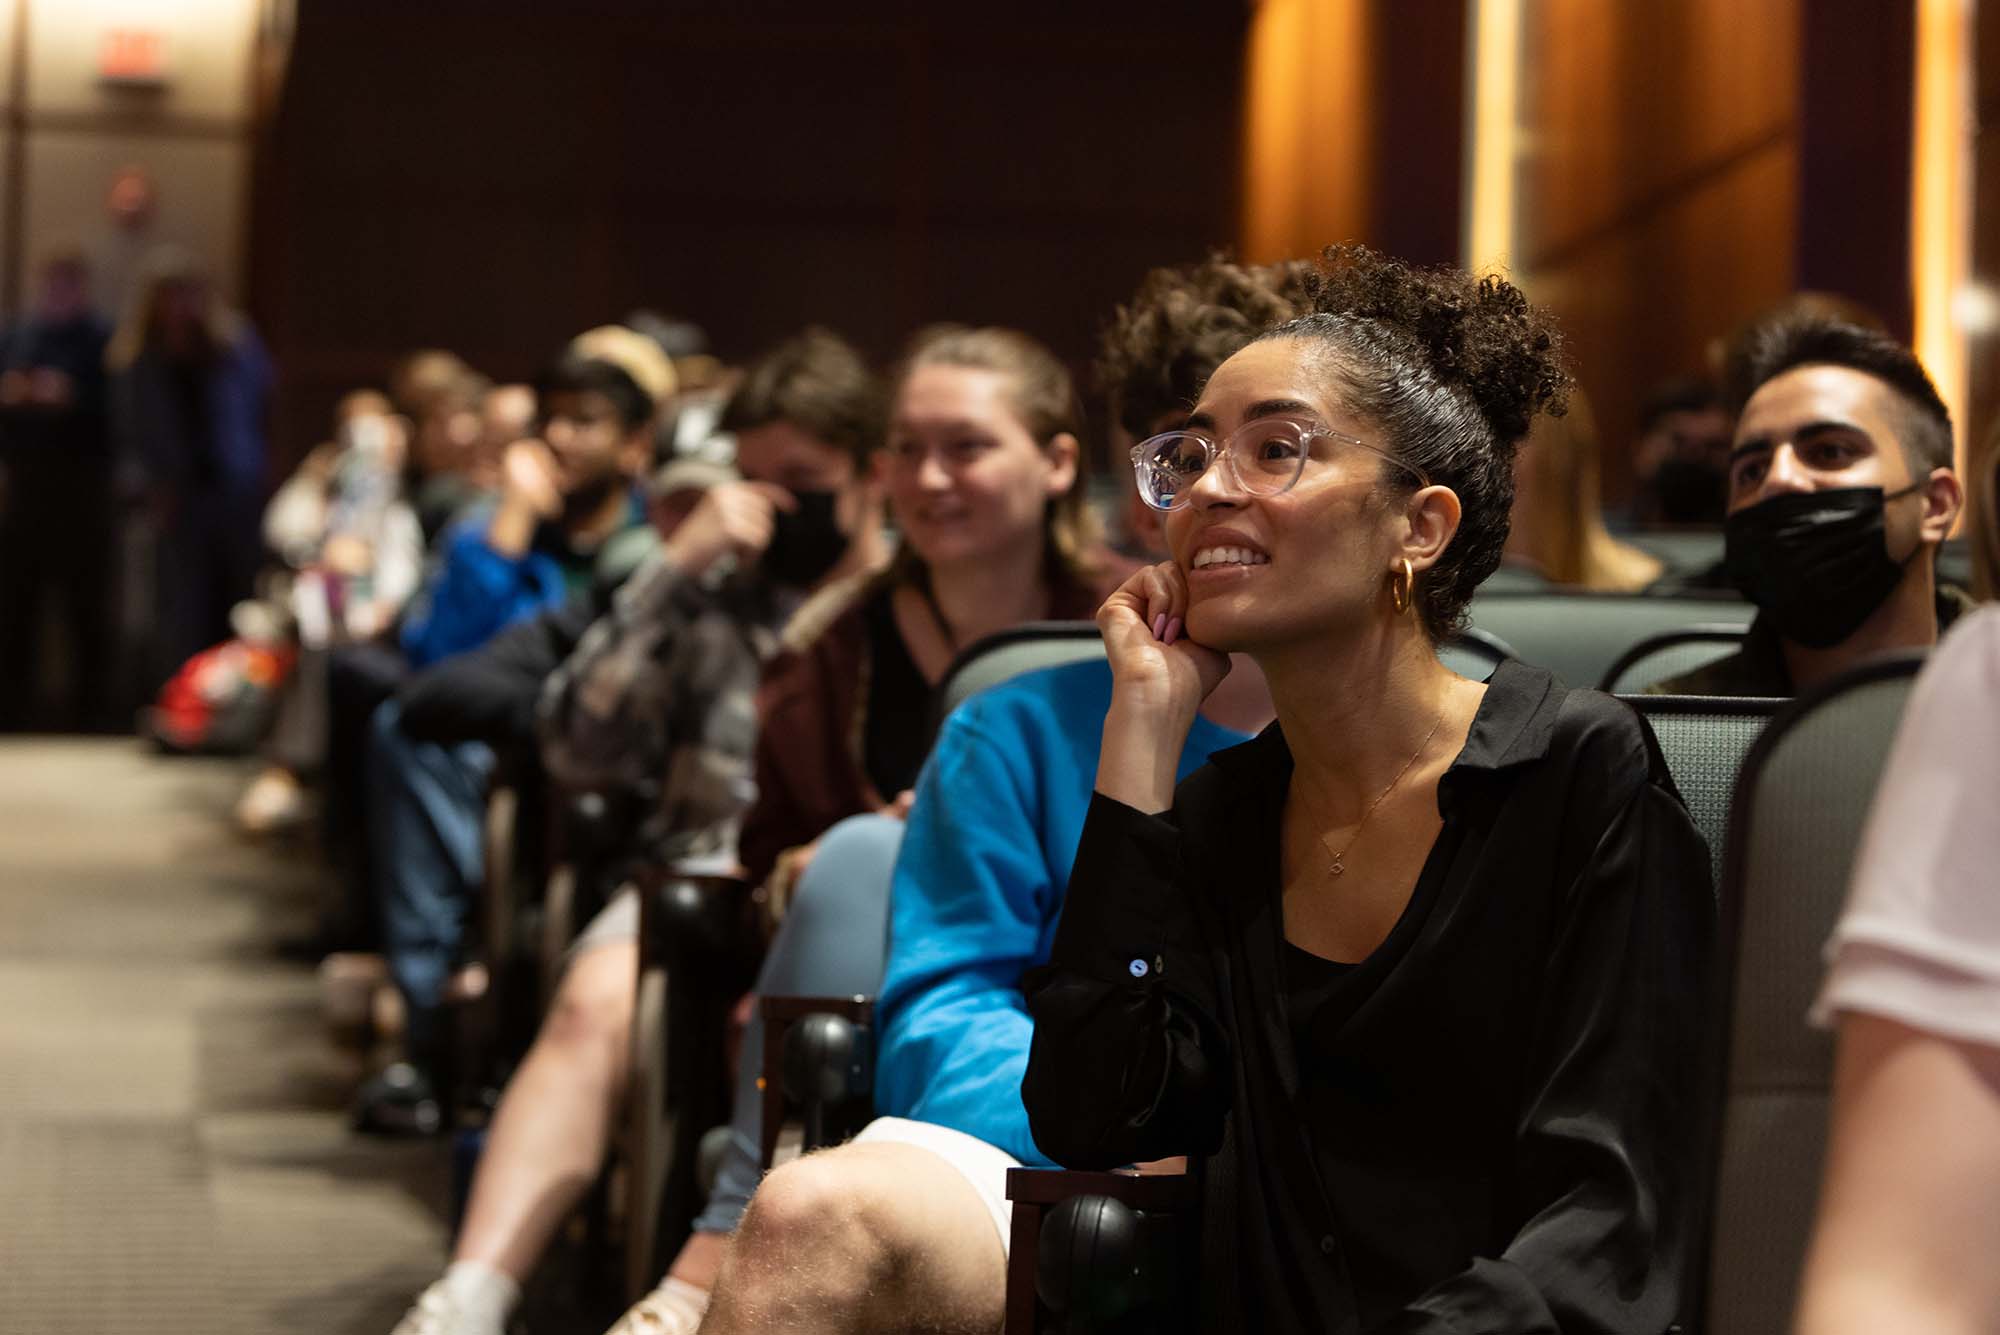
<point x="980" y="879"/>
<point x="477" y="592"/>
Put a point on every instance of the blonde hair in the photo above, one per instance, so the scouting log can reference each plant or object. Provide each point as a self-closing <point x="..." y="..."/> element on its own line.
<point x="1565" y="534"/>
<point x="1984" y="522"/>
<point x="1043" y="396"/>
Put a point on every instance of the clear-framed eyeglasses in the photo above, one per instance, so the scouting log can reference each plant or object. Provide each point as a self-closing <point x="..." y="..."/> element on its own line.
<point x="1261" y="458"/>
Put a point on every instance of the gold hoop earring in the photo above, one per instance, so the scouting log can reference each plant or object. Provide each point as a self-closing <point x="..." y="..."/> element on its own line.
<point x="1403" y="587"/>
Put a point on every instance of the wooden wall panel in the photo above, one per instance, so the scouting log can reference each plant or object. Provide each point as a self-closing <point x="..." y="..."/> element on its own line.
<point x="1353" y="127"/>
<point x="1983" y="360"/>
<point x="1857" y="96"/>
<point x="495" y="175"/>
<point x="1657" y="183"/>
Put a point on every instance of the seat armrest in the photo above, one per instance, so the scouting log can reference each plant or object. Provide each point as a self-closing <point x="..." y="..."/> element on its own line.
<point x="687" y="919"/>
<point x="779" y="1016"/>
<point x="1096" y="1250"/>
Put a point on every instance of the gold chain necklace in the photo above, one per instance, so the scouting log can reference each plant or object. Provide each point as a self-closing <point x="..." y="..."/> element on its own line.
<point x="1340" y="858"/>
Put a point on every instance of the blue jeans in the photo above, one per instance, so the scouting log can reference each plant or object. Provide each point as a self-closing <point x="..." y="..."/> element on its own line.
<point x="834" y="941"/>
<point x="426" y="824"/>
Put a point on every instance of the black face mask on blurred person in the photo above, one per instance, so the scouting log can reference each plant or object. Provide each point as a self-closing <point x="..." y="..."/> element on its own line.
<point x="805" y="542"/>
<point x="1816" y="562"/>
<point x="1689" y="492"/>
<point x="587" y="498"/>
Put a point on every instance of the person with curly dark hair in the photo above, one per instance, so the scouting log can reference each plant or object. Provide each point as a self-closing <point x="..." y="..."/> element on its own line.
<point x="1416" y="971"/>
<point x="908" y="1225"/>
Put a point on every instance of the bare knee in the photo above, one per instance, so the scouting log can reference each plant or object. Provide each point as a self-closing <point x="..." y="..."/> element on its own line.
<point x="817" y="1199"/>
<point x="870" y="1237"/>
<point x="818" y="1221"/>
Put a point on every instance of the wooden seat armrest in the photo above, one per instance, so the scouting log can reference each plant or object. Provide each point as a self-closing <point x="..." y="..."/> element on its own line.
<point x="1141" y="1191"/>
<point x="777" y="1015"/>
<point x="1034" y="1191"/>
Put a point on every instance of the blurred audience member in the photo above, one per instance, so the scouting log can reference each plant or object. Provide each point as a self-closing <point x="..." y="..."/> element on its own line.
<point x="657" y="704"/>
<point x="120" y="247"/>
<point x="1557" y="529"/>
<point x="568" y="517"/>
<point x="1682" y="455"/>
<point x="977" y="886"/>
<point x="353" y="554"/>
<point x="56" y="539"/>
<point x="982" y="467"/>
<point x="1985" y="520"/>
<point x="1841" y="488"/>
<point x="453" y="462"/>
<point x="1909" y="1215"/>
<point x="506" y="414"/>
<point x="191" y="390"/>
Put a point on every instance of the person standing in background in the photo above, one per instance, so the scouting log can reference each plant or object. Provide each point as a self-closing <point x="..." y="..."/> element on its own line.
<point x="189" y="391"/>
<point x="55" y="500"/>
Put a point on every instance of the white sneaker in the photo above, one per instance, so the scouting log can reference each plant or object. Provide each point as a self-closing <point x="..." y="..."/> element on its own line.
<point x="274" y="801"/>
<point x="675" y="1308"/>
<point x="448" y="1308"/>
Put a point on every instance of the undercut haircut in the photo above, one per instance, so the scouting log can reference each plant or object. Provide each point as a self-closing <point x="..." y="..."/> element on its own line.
<point x="1768" y="351"/>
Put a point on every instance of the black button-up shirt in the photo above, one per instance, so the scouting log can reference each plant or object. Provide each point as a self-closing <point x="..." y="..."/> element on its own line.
<point x="1484" y="1126"/>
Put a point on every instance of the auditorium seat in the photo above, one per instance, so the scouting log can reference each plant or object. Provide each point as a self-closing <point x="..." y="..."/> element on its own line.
<point x="1579" y="636"/>
<point x="1670" y="654"/>
<point x="1796" y="819"/>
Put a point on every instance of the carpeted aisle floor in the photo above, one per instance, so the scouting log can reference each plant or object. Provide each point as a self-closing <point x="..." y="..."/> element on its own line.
<point x="173" y="1148"/>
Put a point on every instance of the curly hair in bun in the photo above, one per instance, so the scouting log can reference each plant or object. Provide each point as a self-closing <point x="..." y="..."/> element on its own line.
<point x="1453" y="368"/>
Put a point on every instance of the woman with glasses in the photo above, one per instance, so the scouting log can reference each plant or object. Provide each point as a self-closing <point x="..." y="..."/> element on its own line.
<point x="1416" y="971"/>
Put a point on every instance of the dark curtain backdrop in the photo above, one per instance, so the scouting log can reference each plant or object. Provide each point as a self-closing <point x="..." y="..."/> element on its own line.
<point x="494" y="175"/>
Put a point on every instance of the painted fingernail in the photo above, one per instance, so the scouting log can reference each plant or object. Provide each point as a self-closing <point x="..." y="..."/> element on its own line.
<point x="1160" y="626"/>
<point x="1173" y="630"/>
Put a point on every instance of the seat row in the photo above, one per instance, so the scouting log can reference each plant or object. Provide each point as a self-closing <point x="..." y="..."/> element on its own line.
<point x="1778" y="788"/>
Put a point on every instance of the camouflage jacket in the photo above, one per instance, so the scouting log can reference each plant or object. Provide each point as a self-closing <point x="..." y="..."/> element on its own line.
<point x="658" y="702"/>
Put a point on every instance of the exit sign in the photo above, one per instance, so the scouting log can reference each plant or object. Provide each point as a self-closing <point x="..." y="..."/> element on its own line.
<point x="133" y="56"/>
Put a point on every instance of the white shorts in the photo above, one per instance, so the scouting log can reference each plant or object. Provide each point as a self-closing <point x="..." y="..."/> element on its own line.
<point x="980" y="1164"/>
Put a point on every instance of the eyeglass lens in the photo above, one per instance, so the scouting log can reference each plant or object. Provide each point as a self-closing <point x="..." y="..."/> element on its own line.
<point x="1264" y="457"/>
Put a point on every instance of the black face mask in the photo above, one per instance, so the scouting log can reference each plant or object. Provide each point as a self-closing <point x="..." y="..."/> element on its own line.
<point x="1689" y="492"/>
<point x="587" y="498"/>
<point x="806" y="542"/>
<point x="1816" y="562"/>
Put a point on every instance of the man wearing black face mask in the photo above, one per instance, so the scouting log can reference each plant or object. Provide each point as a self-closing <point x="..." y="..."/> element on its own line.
<point x="656" y="702"/>
<point x="1840" y="490"/>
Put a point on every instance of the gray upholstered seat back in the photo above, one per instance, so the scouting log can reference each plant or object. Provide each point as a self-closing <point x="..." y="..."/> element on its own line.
<point x="1659" y="657"/>
<point x="1800" y="806"/>
<point x="1026" y="648"/>
<point x="1704" y="741"/>
<point x="1578" y="636"/>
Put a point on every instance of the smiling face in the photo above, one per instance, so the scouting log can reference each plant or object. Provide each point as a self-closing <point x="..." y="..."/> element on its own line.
<point x="1267" y="570"/>
<point x="966" y="479"/>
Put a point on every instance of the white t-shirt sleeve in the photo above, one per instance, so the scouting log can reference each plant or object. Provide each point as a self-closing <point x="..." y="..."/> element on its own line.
<point x="1919" y="941"/>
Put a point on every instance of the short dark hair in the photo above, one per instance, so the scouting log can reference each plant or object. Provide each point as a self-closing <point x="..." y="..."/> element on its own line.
<point x="1453" y="367"/>
<point x="817" y="382"/>
<point x="1160" y="348"/>
<point x="1769" y="350"/>
<point x="590" y="375"/>
<point x="1680" y="394"/>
